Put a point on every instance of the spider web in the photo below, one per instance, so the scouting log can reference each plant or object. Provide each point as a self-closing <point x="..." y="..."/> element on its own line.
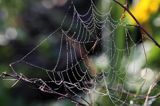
<point x="71" y="73"/>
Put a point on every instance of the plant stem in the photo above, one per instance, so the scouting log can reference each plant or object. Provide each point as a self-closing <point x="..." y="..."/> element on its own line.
<point x="142" y="28"/>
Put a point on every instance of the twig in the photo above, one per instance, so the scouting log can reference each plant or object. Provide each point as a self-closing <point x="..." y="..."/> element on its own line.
<point x="42" y="86"/>
<point x="149" y="91"/>
<point x="142" y="28"/>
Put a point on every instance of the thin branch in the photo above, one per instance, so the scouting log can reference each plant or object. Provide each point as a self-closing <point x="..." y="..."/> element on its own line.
<point x="142" y="28"/>
<point x="149" y="91"/>
<point x="41" y="85"/>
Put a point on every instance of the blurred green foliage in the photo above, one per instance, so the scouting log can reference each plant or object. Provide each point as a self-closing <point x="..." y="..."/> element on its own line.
<point x="10" y="12"/>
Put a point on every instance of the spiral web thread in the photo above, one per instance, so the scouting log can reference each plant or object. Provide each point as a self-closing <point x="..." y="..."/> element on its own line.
<point x="76" y="76"/>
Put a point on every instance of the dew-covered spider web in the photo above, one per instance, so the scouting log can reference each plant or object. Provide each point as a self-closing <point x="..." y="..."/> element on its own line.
<point x="85" y="59"/>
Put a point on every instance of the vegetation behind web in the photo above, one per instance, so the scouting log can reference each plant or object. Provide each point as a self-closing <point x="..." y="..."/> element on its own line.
<point x="24" y="23"/>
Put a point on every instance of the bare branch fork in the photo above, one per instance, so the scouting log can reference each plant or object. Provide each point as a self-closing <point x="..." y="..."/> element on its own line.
<point x="139" y="25"/>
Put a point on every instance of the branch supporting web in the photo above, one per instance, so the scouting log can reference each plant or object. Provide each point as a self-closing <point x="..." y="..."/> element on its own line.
<point x="71" y="73"/>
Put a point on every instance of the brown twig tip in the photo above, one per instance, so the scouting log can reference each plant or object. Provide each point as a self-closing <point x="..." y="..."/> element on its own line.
<point x="142" y="28"/>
